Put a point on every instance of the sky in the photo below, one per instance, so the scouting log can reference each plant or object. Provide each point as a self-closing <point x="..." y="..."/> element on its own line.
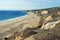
<point x="27" y="4"/>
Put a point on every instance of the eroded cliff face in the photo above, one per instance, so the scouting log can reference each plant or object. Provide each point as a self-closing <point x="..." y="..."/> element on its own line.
<point x="49" y="24"/>
<point x="48" y="17"/>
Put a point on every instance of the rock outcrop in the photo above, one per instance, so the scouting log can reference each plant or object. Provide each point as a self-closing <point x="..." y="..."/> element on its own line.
<point x="49" y="24"/>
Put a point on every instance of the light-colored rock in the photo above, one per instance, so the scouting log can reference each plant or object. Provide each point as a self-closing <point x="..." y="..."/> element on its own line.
<point x="18" y="38"/>
<point x="44" y="12"/>
<point x="58" y="13"/>
<point x="50" y="25"/>
<point x="48" y="18"/>
<point x="30" y="38"/>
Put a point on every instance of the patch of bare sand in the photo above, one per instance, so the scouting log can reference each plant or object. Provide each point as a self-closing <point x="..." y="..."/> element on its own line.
<point x="30" y="38"/>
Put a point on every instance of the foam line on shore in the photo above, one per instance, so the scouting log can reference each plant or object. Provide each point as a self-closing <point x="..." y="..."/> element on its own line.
<point x="15" y="18"/>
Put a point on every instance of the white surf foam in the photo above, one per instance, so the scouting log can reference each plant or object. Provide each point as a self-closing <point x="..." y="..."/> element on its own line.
<point x="20" y="17"/>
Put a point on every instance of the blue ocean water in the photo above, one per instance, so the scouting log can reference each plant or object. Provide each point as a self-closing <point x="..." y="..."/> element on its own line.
<point x="4" y="15"/>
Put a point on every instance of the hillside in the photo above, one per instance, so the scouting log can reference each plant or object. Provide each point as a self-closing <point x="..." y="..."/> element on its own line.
<point x="40" y="24"/>
<point x="49" y="24"/>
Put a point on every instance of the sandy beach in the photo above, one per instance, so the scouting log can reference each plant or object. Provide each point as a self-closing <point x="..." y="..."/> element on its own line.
<point x="11" y="26"/>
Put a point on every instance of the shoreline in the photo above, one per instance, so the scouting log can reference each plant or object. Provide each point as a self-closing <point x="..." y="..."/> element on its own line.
<point x="20" y="17"/>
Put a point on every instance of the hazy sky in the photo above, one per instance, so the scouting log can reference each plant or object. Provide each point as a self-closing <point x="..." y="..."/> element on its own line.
<point x="27" y="4"/>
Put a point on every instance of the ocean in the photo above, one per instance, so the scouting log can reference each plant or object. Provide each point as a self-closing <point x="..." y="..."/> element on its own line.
<point x="5" y="15"/>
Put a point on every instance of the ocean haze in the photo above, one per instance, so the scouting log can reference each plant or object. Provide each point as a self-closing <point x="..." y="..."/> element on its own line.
<point x="27" y="4"/>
